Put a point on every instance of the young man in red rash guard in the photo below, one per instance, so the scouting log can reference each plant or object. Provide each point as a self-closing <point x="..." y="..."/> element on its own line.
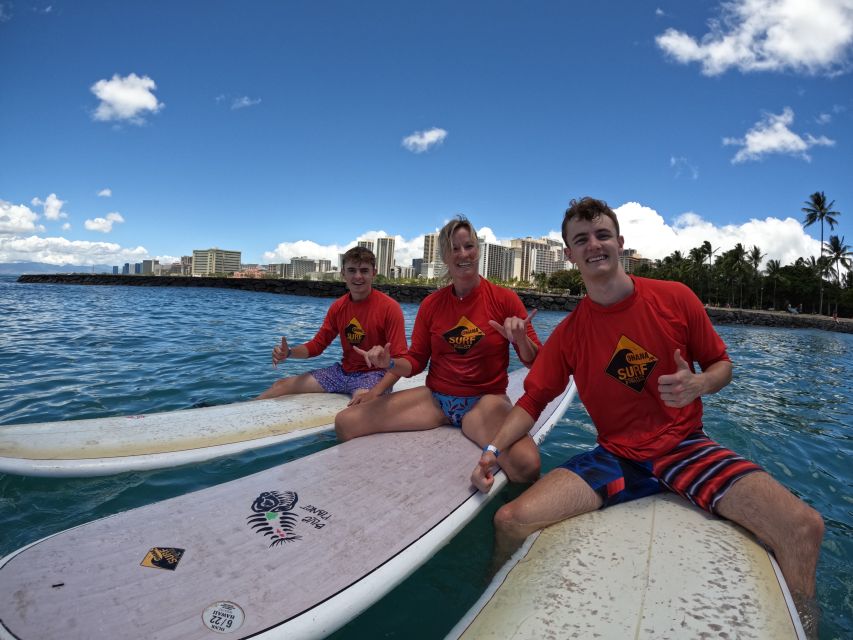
<point x="631" y="345"/>
<point x="363" y="317"/>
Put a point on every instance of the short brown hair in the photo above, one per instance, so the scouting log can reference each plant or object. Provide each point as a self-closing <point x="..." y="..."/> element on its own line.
<point x="588" y="209"/>
<point x="358" y="255"/>
<point x="445" y="236"/>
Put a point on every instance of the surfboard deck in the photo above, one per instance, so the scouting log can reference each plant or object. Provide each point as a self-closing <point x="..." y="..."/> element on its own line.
<point x="653" y="568"/>
<point x="103" y="446"/>
<point x="291" y="552"/>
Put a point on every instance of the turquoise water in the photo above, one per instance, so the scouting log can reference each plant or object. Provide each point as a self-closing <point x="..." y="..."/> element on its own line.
<point x="74" y="352"/>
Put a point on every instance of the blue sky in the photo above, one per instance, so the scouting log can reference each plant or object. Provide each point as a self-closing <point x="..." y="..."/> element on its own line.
<point x="284" y="128"/>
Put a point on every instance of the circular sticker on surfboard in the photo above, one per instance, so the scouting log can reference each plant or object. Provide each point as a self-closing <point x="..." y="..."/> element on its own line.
<point x="223" y="617"/>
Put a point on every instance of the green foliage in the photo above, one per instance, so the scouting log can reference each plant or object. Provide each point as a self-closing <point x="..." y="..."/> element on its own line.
<point x="564" y="280"/>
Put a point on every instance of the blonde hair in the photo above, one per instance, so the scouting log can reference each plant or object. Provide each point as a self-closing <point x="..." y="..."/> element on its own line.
<point x="445" y="236"/>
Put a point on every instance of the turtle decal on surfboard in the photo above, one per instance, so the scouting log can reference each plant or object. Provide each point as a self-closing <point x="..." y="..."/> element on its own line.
<point x="272" y="516"/>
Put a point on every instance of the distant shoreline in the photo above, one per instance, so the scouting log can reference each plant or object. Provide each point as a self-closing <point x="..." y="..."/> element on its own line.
<point x="416" y="293"/>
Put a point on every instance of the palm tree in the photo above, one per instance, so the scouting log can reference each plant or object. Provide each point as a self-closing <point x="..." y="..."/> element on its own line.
<point x="755" y="257"/>
<point x="695" y="266"/>
<point x="773" y="270"/>
<point x="738" y="266"/>
<point x="816" y="210"/>
<point x="839" y="255"/>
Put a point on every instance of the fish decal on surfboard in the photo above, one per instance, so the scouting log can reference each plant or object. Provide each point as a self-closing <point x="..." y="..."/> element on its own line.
<point x="272" y="516"/>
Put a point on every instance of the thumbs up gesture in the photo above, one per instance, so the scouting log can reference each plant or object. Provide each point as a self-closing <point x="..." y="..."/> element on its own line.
<point x="682" y="387"/>
<point x="280" y="352"/>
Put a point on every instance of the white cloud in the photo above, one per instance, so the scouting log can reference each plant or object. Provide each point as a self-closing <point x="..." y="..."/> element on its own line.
<point x="813" y="36"/>
<point x="167" y="260"/>
<point x="659" y="12"/>
<point x="404" y="250"/>
<point x="645" y="230"/>
<point x="420" y="141"/>
<point x="243" y="102"/>
<point x="17" y="218"/>
<point x="5" y="12"/>
<point x="104" y="225"/>
<point x="66" y="226"/>
<point x="772" y="135"/>
<point x="52" y="207"/>
<point x="683" y="167"/>
<point x="105" y="193"/>
<point x="62" y="251"/>
<point x="129" y="98"/>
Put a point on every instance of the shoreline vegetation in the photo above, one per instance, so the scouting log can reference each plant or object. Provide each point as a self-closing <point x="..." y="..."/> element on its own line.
<point x="416" y="293"/>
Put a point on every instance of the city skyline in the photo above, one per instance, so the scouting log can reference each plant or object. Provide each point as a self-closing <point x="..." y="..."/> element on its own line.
<point x="311" y="128"/>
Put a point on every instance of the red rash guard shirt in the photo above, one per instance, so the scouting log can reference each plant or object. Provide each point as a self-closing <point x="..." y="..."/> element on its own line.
<point x="376" y="320"/>
<point x="617" y="353"/>
<point x="466" y="355"/>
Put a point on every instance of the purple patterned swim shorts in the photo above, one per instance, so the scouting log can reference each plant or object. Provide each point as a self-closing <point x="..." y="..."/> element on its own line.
<point x="334" y="379"/>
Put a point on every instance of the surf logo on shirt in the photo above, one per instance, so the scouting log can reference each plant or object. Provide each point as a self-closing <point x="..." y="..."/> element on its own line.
<point x="631" y="364"/>
<point x="464" y="335"/>
<point x="273" y="516"/>
<point x="162" y="558"/>
<point x="354" y="332"/>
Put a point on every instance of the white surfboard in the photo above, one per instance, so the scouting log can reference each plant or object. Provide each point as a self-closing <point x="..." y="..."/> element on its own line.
<point x="291" y="552"/>
<point x="103" y="446"/>
<point x="653" y="568"/>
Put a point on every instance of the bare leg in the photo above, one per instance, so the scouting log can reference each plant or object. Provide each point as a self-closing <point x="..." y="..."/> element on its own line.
<point x="560" y="494"/>
<point x="786" y="524"/>
<point x="303" y="383"/>
<point x="408" y="410"/>
<point x="521" y="461"/>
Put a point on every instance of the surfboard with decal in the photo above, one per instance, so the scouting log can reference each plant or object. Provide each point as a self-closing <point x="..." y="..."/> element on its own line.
<point x="103" y="446"/>
<point x="653" y="568"/>
<point x="292" y="552"/>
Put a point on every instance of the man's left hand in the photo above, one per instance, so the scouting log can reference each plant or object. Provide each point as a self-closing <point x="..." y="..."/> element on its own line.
<point x="682" y="387"/>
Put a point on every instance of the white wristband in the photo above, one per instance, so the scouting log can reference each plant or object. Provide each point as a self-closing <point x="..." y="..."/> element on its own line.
<point x="490" y="448"/>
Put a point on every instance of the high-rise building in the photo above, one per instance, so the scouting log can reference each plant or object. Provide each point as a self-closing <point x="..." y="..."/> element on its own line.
<point x="186" y="265"/>
<point x="324" y="265"/>
<point x="416" y="266"/>
<point x="542" y="255"/>
<point x="302" y="266"/>
<point x="385" y="256"/>
<point x="215" y="260"/>
<point x="630" y="260"/>
<point x="432" y="253"/>
<point x="367" y="244"/>
<point x="496" y="261"/>
<point x="403" y="272"/>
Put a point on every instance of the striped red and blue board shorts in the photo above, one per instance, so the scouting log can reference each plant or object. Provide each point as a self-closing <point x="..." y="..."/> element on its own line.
<point x="698" y="469"/>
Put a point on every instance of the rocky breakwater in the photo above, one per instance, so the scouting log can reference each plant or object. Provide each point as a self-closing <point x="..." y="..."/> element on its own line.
<point x="721" y="315"/>
<point x="416" y="293"/>
<point x="320" y="289"/>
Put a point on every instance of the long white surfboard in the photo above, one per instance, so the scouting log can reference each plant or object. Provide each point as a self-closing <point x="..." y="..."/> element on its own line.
<point x="103" y="446"/>
<point x="654" y="568"/>
<point x="291" y="552"/>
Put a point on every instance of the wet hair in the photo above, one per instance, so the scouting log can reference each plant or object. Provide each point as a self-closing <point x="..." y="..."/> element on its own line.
<point x="588" y="209"/>
<point x="359" y="255"/>
<point x="445" y="236"/>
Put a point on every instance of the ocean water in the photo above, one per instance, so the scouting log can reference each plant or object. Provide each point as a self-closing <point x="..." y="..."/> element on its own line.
<point x="70" y="352"/>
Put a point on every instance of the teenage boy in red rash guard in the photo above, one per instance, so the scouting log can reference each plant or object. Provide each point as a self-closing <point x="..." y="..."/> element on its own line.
<point x="631" y="345"/>
<point x="464" y="332"/>
<point x="363" y="317"/>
